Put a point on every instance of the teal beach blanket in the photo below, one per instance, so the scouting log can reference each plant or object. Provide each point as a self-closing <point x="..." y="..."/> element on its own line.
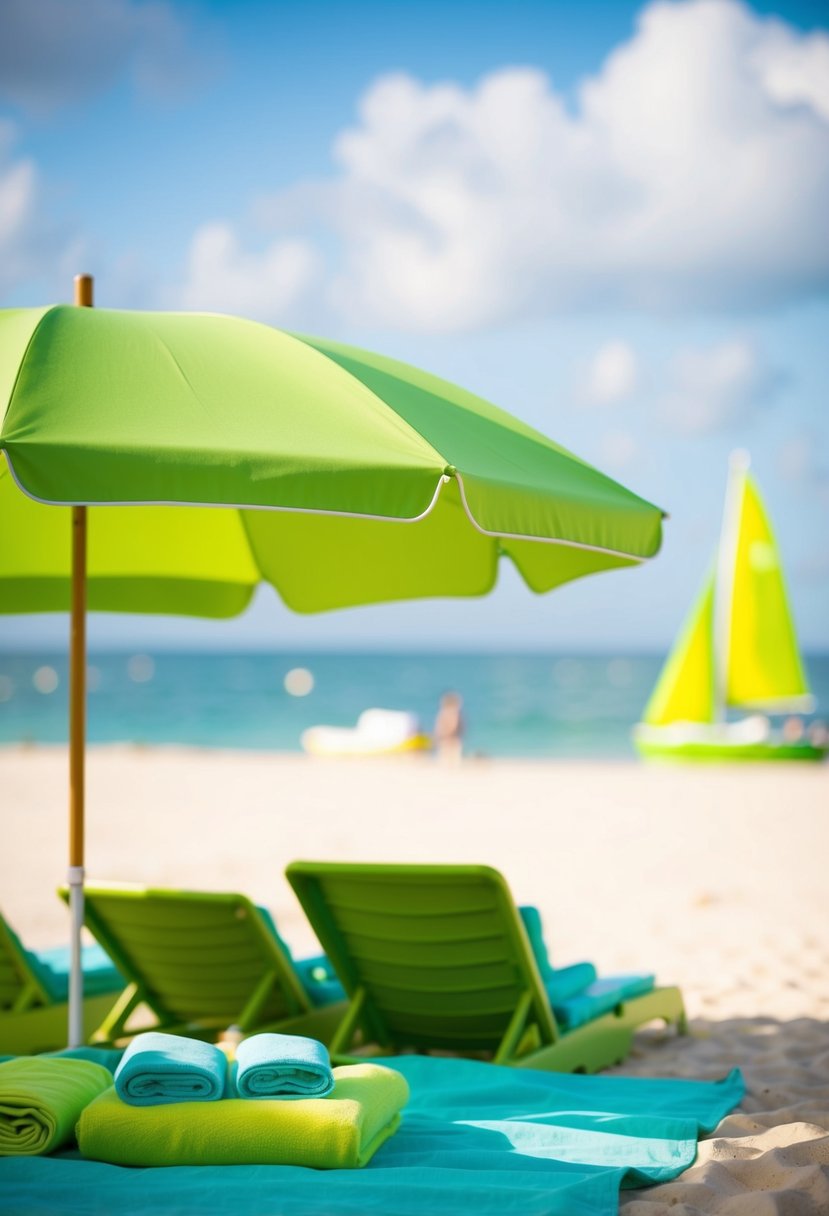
<point x="282" y="1066"/>
<point x="157" y="1069"/>
<point x="474" y="1138"/>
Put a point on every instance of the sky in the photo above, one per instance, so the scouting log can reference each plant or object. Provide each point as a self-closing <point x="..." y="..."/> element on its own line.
<point x="608" y="218"/>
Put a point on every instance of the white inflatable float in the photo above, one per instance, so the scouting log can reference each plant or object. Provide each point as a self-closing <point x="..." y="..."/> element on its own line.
<point x="379" y="732"/>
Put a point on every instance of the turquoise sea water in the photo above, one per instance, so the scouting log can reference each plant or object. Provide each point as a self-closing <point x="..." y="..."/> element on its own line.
<point x="515" y="705"/>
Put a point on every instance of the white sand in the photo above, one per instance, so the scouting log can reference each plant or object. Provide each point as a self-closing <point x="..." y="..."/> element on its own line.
<point x="718" y="879"/>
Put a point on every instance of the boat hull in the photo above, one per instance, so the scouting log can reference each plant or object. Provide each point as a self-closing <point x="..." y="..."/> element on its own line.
<point x="319" y="741"/>
<point x="379" y="732"/>
<point x="721" y="750"/>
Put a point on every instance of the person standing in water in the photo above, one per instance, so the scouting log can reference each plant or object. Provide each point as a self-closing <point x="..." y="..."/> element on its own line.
<point x="449" y="727"/>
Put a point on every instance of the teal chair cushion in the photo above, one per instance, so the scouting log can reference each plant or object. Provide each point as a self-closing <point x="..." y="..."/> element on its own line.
<point x="600" y="997"/>
<point x="100" y="975"/>
<point x="316" y="974"/>
<point x="561" y="983"/>
<point x="576" y="993"/>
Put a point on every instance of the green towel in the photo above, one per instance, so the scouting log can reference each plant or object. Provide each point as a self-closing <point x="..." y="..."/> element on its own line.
<point x="41" y="1100"/>
<point x="342" y="1131"/>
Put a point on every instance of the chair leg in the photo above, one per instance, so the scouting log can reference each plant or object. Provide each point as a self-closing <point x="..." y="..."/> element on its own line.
<point x="113" y="1024"/>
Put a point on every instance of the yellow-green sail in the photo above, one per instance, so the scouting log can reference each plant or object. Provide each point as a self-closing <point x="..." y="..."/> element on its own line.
<point x="684" y="691"/>
<point x="757" y="664"/>
<point x="763" y="667"/>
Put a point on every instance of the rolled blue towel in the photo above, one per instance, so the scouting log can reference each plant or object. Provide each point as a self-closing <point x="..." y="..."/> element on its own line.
<point x="282" y="1066"/>
<point x="161" y="1068"/>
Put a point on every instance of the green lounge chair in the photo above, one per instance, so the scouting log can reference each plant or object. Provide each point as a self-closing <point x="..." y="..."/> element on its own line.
<point x="33" y="994"/>
<point x="201" y="962"/>
<point x="436" y="957"/>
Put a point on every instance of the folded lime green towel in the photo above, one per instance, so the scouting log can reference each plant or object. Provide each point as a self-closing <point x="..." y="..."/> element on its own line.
<point x="342" y="1131"/>
<point x="41" y="1100"/>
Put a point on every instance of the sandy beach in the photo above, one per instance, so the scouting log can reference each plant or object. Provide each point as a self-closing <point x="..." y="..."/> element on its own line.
<point x="714" y="878"/>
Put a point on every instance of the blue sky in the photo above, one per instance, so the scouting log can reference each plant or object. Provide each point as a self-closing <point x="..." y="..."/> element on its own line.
<point x="608" y="218"/>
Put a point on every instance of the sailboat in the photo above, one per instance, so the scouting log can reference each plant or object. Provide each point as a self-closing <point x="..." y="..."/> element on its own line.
<point x="737" y="650"/>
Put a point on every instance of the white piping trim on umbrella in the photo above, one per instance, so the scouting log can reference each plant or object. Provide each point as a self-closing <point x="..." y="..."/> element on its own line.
<point x="544" y="540"/>
<point x="442" y="480"/>
<point x="230" y="506"/>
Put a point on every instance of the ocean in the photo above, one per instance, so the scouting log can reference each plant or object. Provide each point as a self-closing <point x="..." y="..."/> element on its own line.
<point x="533" y="705"/>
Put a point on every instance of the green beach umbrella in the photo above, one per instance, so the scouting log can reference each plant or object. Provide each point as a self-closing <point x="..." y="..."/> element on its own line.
<point x="345" y="478"/>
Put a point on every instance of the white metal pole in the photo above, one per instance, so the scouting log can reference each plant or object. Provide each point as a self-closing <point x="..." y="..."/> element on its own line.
<point x="75" y="876"/>
<point x="724" y="578"/>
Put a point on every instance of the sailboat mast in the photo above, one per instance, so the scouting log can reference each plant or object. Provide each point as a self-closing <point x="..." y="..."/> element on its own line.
<point x="724" y="579"/>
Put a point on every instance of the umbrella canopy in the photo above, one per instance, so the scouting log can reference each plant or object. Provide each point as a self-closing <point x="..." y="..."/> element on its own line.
<point x="321" y="450"/>
<point x="345" y="477"/>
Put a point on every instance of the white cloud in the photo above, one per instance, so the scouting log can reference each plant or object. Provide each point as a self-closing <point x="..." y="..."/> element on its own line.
<point x="692" y="171"/>
<point x="613" y="374"/>
<point x="17" y="194"/>
<point x="718" y="387"/>
<point x="30" y="246"/>
<point x="58" y="51"/>
<point x="269" y="285"/>
<point x="795" y="69"/>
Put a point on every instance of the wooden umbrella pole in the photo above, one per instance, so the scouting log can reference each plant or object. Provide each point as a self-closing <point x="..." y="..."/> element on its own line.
<point x="77" y="738"/>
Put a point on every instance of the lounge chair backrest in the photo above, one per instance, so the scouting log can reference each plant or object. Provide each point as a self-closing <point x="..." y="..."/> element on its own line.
<point x="434" y="956"/>
<point x="20" y="985"/>
<point x="196" y="957"/>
